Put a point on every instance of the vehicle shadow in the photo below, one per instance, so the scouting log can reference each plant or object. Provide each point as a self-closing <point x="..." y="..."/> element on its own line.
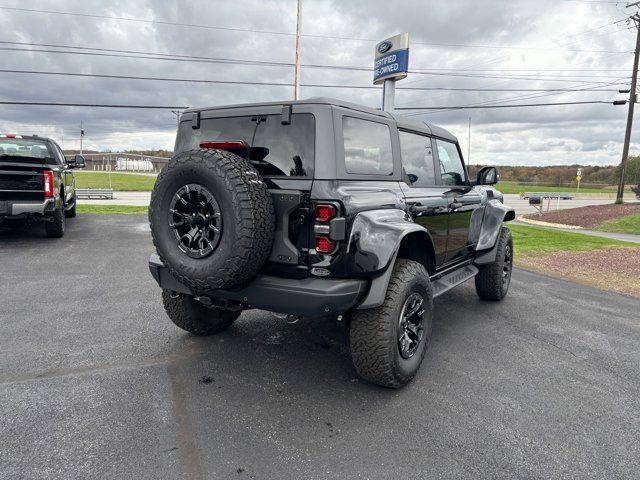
<point x="15" y="230"/>
<point x="309" y="357"/>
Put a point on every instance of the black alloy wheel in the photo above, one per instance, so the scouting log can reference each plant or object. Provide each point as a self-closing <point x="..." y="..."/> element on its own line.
<point x="196" y="220"/>
<point x="411" y="325"/>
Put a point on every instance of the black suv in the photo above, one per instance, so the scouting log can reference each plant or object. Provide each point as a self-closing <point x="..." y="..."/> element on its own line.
<point x="37" y="182"/>
<point x="324" y="208"/>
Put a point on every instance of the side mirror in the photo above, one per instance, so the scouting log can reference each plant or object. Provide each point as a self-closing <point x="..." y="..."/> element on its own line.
<point x="78" y="162"/>
<point x="412" y="178"/>
<point x="488" y="176"/>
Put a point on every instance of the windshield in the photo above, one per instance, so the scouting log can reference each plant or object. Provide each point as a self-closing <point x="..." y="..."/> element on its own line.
<point x="28" y="148"/>
<point x="278" y="150"/>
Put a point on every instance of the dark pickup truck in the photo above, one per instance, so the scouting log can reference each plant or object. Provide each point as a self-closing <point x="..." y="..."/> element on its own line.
<point x="37" y="182"/>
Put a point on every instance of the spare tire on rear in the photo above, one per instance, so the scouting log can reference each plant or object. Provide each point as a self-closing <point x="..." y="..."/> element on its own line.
<point x="212" y="219"/>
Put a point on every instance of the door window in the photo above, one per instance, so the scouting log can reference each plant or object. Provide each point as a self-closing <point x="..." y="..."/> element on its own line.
<point x="417" y="159"/>
<point x="367" y="147"/>
<point x="451" y="166"/>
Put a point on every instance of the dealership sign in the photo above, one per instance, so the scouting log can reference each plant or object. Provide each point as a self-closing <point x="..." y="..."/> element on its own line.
<point x="392" y="59"/>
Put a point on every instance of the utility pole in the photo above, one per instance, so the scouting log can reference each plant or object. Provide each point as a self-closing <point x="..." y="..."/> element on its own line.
<point x="81" y="136"/>
<point x="296" y="70"/>
<point x="632" y="102"/>
<point x="177" y="114"/>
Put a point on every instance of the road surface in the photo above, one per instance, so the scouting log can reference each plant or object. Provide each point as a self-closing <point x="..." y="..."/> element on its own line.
<point x="95" y="382"/>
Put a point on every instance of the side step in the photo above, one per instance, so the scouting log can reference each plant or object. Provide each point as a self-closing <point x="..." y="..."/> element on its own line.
<point x="453" y="279"/>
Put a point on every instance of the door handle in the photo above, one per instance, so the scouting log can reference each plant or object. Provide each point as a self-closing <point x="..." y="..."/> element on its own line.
<point x="417" y="208"/>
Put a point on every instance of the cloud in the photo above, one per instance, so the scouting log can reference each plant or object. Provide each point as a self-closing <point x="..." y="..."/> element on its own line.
<point x="543" y="135"/>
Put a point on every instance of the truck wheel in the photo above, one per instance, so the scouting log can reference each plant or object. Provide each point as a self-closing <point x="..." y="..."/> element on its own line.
<point x="195" y="318"/>
<point x="55" y="228"/>
<point x="388" y="343"/>
<point x="492" y="281"/>
<point x="71" y="213"/>
<point x="212" y="219"/>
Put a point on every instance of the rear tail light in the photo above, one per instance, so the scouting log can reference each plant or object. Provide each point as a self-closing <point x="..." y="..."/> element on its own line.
<point x="224" y="145"/>
<point x="325" y="245"/>
<point x="324" y="212"/>
<point x="48" y="183"/>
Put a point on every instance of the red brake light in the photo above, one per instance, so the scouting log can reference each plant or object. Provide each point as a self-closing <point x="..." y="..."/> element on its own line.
<point x="11" y="135"/>
<point x="325" y="212"/>
<point x="48" y="183"/>
<point x="224" y="145"/>
<point x="324" y="245"/>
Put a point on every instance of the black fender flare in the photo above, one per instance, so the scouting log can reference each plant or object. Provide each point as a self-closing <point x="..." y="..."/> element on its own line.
<point x="495" y="213"/>
<point x="374" y="241"/>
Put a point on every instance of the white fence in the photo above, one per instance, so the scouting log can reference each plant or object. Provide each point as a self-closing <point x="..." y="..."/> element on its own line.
<point x="123" y="162"/>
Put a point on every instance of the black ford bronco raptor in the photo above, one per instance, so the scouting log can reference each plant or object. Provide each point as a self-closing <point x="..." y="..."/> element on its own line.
<point x="325" y="208"/>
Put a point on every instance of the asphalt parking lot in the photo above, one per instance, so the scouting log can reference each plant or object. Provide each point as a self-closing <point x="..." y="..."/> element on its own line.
<point x="95" y="382"/>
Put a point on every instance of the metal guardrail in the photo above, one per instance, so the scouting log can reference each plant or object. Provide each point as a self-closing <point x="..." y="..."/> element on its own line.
<point x="105" y="193"/>
<point x="551" y="195"/>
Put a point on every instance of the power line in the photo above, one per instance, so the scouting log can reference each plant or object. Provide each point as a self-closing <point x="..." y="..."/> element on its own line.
<point x="142" y="20"/>
<point x="166" y="107"/>
<point x="505" y="106"/>
<point x="541" y="77"/>
<point x="272" y="32"/>
<point x="154" y="54"/>
<point x="269" y="63"/>
<point x="93" y="105"/>
<point x="286" y="84"/>
<point x="529" y="96"/>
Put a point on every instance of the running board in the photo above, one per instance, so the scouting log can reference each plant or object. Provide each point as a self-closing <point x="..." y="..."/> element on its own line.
<point x="453" y="279"/>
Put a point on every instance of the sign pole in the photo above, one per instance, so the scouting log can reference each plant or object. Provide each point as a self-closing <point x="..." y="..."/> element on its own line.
<point x="391" y="63"/>
<point x="388" y="95"/>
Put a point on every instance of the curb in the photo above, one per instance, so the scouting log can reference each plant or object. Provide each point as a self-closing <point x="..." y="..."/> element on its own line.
<point x="540" y="223"/>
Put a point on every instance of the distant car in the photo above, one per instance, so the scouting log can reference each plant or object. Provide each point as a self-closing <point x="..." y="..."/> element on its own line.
<point x="37" y="182"/>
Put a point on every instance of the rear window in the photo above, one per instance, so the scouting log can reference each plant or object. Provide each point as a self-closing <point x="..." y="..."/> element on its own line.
<point x="26" y="148"/>
<point x="367" y="147"/>
<point x="277" y="150"/>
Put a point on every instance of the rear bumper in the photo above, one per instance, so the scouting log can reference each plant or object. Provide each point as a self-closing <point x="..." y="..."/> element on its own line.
<point x="11" y="208"/>
<point x="309" y="297"/>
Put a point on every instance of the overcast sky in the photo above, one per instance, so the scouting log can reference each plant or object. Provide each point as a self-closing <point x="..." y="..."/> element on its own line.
<point x="544" y="44"/>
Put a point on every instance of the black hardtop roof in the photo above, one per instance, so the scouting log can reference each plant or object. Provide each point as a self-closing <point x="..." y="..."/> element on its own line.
<point x="402" y="121"/>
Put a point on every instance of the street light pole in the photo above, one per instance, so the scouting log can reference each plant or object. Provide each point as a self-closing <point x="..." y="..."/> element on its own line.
<point x="632" y="102"/>
<point x="81" y="136"/>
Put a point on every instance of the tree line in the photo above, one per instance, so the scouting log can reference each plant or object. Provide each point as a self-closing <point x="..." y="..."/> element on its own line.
<point x="561" y="175"/>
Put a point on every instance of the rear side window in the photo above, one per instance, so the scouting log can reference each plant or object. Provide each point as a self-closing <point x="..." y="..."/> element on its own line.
<point x="417" y="159"/>
<point x="367" y="147"/>
<point x="277" y="150"/>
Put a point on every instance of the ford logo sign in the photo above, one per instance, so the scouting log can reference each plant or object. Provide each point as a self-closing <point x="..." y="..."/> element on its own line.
<point x="384" y="47"/>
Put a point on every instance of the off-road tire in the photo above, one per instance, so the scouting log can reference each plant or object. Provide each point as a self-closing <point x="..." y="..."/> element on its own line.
<point x="490" y="284"/>
<point x="248" y="221"/>
<point x="193" y="317"/>
<point x="55" y="227"/>
<point x="71" y="213"/>
<point x="374" y="332"/>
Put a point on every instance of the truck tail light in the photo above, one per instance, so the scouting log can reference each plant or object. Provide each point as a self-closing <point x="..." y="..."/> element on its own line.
<point x="48" y="183"/>
<point x="325" y="245"/>
<point x="225" y="145"/>
<point x="324" y="212"/>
